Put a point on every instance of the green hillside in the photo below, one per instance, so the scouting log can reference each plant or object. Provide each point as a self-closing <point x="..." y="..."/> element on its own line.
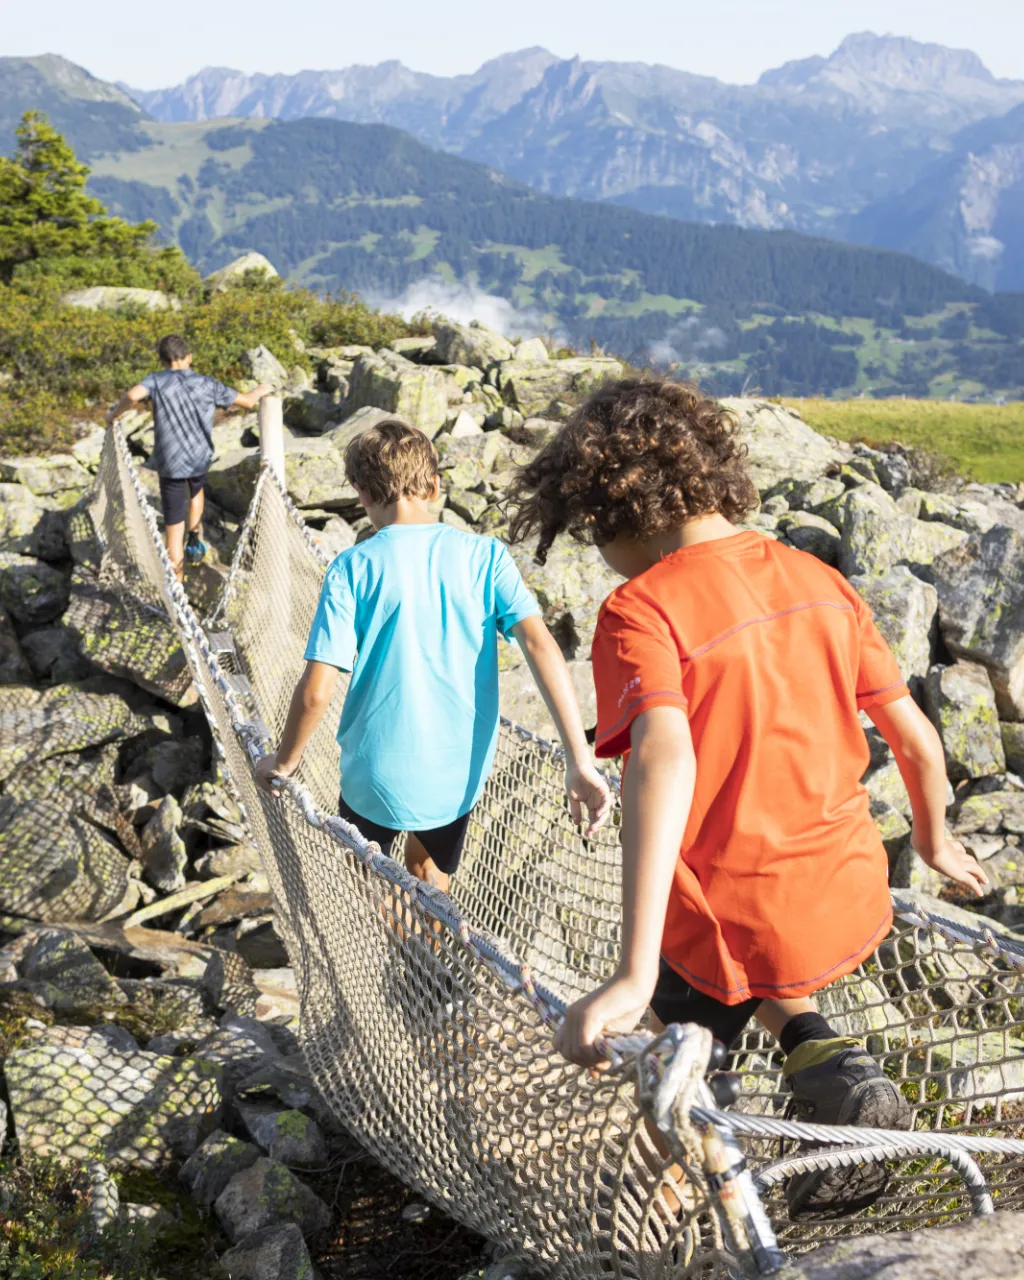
<point x="366" y="207"/>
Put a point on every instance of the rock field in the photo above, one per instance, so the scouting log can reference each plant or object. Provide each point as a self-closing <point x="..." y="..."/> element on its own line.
<point x="154" y="1008"/>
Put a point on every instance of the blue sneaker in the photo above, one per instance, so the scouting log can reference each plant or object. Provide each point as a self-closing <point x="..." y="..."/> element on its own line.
<point x="195" y="548"/>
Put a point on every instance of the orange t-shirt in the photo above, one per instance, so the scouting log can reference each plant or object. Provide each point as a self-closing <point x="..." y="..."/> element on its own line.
<point x="782" y="880"/>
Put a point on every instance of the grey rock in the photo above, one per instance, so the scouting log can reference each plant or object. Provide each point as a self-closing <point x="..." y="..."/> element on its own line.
<point x="521" y="702"/>
<point x="962" y="706"/>
<point x="540" y="388"/>
<point x="164" y="857"/>
<point x="231" y="479"/>
<point x="176" y="765"/>
<point x="62" y="959"/>
<point x="336" y="536"/>
<point x="811" y="533"/>
<point x="103" y="297"/>
<point x="470" y="345"/>
<point x="53" y="655"/>
<point x="22" y="514"/>
<point x="32" y="591"/>
<point x="992" y="811"/>
<point x="1013" y="746"/>
<point x="467" y="504"/>
<point x="315" y="411"/>
<point x="885" y="787"/>
<point x="570" y="589"/>
<point x="416" y="345"/>
<point x="531" y="349"/>
<point x="213" y="1164"/>
<point x="972" y="517"/>
<point x="414" y="393"/>
<point x="289" y="1136"/>
<point x="233" y="273"/>
<point x="135" y="1111"/>
<point x="782" y="447"/>
<point x="89" y="448"/>
<point x="465" y="425"/>
<point x="235" y="859"/>
<point x="892" y="826"/>
<point x="990" y="1248"/>
<point x="809" y="495"/>
<point x="263" y="366"/>
<point x="876" y="535"/>
<point x="905" y="610"/>
<point x="14" y="666"/>
<point x="56" y="475"/>
<point x="268" y="1194"/>
<point x="981" y="610"/>
<point x="275" y="1253"/>
<point x="144" y="1222"/>
<point x="315" y="473"/>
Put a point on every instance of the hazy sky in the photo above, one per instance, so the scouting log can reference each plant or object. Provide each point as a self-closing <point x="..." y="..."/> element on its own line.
<point x="155" y="44"/>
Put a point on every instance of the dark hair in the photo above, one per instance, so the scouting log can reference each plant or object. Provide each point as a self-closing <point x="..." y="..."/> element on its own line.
<point x="638" y="457"/>
<point x="390" y="461"/>
<point x="173" y="347"/>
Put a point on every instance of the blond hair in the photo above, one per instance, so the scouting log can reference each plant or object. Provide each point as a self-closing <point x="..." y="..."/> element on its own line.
<point x="390" y="461"/>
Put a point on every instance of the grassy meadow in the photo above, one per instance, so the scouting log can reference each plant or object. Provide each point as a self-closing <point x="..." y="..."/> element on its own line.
<point x="984" y="441"/>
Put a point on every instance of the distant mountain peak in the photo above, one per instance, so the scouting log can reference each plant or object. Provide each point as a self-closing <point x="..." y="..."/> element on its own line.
<point x="74" y="81"/>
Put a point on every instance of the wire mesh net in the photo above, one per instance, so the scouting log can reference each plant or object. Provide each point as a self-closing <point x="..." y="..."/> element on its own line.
<point x="420" y="1032"/>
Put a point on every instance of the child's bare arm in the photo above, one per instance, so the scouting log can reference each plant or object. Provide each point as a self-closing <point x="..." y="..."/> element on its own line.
<point x="657" y="793"/>
<point x="310" y="701"/>
<point x="131" y="397"/>
<point x="922" y="764"/>
<point x="250" y="399"/>
<point x="586" y="788"/>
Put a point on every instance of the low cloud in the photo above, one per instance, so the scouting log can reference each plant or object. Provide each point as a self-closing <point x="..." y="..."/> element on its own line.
<point x="689" y="339"/>
<point x="463" y="303"/>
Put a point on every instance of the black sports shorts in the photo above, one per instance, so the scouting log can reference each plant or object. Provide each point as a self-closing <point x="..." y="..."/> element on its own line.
<point x="174" y="496"/>
<point x="444" y="844"/>
<point x="675" y="1000"/>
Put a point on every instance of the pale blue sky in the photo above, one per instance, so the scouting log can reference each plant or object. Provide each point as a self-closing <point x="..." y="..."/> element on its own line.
<point x="152" y="44"/>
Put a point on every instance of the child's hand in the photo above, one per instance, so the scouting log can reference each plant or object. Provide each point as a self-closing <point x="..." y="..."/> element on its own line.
<point x="613" y="1009"/>
<point x="949" y="858"/>
<point x="267" y="769"/>
<point x="587" y="790"/>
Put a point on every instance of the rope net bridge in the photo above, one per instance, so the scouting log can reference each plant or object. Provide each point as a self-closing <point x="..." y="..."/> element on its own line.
<point x="427" y="1021"/>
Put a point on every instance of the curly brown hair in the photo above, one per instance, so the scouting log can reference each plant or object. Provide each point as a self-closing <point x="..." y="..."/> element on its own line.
<point x="638" y="457"/>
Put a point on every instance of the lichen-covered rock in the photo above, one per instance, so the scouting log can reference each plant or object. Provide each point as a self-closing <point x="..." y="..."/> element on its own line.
<point x="521" y="701"/>
<point x="1013" y="746"/>
<point x="315" y="473"/>
<point x="538" y="388"/>
<point x="972" y="517"/>
<point x="809" y="495"/>
<point x="415" y="393"/>
<point x="61" y="720"/>
<point x="289" y="1136"/>
<point x="176" y="763"/>
<point x="263" y="366"/>
<point x="89" y="449"/>
<point x="470" y="344"/>
<point x="132" y="1110"/>
<point x="811" y="533"/>
<point x="53" y="654"/>
<point x="892" y="826"/>
<point x="990" y="812"/>
<point x="570" y="589"/>
<point x="467" y="504"/>
<point x="63" y="960"/>
<point x="415" y="346"/>
<point x="962" y="706"/>
<point x="531" y="349"/>
<point x="21" y="514"/>
<point x="275" y="1253"/>
<point x="885" y="787"/>
<point x="465" y="425"/>
<point x="876" y="535"/>
<point x="105" y="297"/>
<point x="14" y="666"/>
<point x="164" y="856"/>
<point x="231" y="479"/>
<point x="222" y="280"/>
<point x="314" y="411"/>
<point x="31" y="590"/>
<point x="213" y="1164"/>
<point x="781" y="446"/>
<point x="981" y="609"/>
<point x="268" y="1195"/>
<point x="905" y="610"/>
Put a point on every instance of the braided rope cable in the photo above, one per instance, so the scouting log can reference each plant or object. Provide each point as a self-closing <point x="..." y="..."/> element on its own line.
<point x="849" y="1157"/>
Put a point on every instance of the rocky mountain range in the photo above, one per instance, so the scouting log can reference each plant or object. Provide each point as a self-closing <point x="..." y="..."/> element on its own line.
<point x="887" y="141"/>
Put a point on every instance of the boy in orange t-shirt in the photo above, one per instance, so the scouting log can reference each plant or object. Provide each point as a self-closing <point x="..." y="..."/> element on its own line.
<point x="730" y="671"/>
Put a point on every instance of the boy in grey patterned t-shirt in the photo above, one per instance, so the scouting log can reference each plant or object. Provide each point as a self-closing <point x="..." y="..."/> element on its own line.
<point x="184" y="403"/>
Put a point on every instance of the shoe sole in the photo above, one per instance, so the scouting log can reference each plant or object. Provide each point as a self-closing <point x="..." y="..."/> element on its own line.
<point x="835" y="1193"/>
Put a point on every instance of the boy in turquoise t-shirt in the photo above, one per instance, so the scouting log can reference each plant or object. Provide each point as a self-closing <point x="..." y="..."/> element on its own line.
<point x="415" y="613"/>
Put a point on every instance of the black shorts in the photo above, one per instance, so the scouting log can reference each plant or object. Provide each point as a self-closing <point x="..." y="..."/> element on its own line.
<point x="174" y="496"/>
<point x="444" y="844"/>
<point x="675" y="1000"/>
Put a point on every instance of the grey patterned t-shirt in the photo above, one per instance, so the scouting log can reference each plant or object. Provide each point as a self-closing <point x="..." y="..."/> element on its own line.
<point x="183" y="405"/>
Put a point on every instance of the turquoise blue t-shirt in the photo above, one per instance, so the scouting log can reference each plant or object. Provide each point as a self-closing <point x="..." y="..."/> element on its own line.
<point x="414" y="613"/>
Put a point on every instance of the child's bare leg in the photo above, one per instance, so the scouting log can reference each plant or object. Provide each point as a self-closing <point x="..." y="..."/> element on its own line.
<point x="196" y="507"/>
<point x="174" y="537"/>
<point x="420" y="864"/>
<point x="774" y="1014"/>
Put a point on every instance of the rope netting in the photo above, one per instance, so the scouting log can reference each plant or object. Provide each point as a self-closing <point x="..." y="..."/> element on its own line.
<point x="426" y="1021"/>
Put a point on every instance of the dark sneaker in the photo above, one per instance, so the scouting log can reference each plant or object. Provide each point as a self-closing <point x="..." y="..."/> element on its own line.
<point x="838" y="1082"/>
<point x="195" y="548"/>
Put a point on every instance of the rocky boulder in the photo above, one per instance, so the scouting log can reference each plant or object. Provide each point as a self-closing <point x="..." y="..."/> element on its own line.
<point x="416" y="394"/>
<point x="164" y="854"/>
<point x="210" y="1168"/>
<point x="268" y="1195"/>
<point x="980" y="585"/>
<point x="59" y="476"/>
<point x="275" y="1253"/>
<point x="570" y="589"/>
<point x="103" y="297"/>
<point x="470" y="344"/>
<point x="31" y="590"/>
<point x="23" y="524"/>
<point x="905" y="610"/>
<point x="14" y="665"/>
<point x="135" y="1110"/>
<point x="962" y="706"/>
<point x="541" y="388"/>
<point x="876" y="535"/>
<point x="235" y="271"/>
<point x="231" y="479"/>
<point x="263" y="366"/>
<point x="781" y="447"/>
